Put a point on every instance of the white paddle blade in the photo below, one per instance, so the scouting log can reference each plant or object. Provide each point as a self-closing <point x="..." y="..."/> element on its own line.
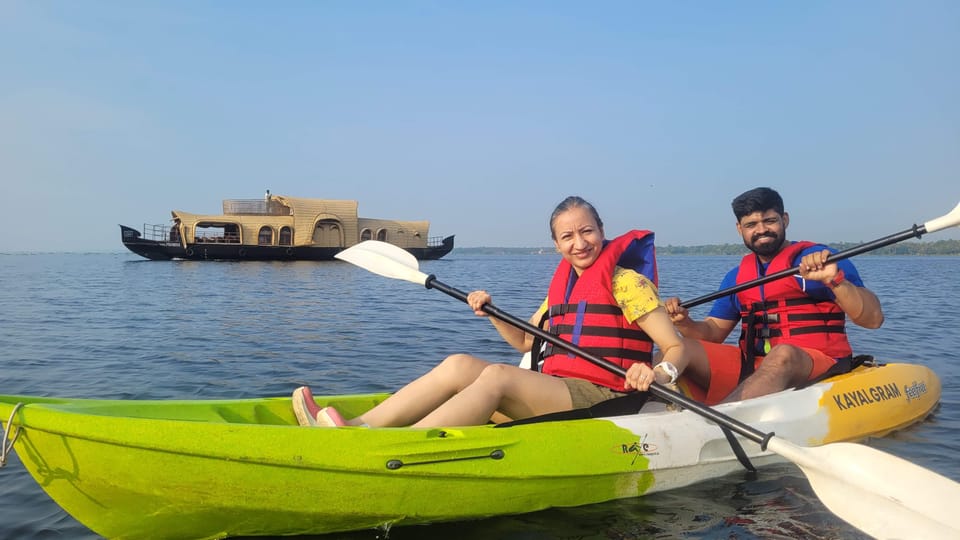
<point x="880" y="494"/>
<point x="384" y="259"/>
<point x="949" y="220"/>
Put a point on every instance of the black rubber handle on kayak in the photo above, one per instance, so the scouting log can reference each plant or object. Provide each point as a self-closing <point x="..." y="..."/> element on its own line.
<point x="656" y="389"/>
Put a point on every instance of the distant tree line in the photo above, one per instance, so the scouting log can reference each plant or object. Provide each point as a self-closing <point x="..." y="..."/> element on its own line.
<point x="708" y="249"/>
<point x="938" y="248"/>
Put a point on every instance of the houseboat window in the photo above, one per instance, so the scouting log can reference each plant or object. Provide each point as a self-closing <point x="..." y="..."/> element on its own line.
<point x="286" y="236"/>
<point x="266" y="236"/>
<point x="217" y="233"/>
<point x="231" y="233"/>
<point x="382" y="235"/>
<point x="365" y="235"/>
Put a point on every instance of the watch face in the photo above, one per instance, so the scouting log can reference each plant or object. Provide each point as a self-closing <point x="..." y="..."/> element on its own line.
<point x="670" y="370"/>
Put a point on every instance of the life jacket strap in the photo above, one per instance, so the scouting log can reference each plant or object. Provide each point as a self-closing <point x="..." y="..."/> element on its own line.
<point x="603" y="331"/>
<point x="605" y="352"/>
<point x="563" y="309"/>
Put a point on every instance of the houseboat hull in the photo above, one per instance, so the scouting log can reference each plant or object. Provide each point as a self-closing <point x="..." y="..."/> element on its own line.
<point x="158" y="250"/>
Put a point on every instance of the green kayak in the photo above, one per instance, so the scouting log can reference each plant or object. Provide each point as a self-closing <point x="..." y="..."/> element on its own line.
<point x="218" y="468"/>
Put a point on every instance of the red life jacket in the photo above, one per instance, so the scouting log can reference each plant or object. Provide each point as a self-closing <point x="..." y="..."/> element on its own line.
<point x="583" y="311"/>
<point x="782" y="312"/>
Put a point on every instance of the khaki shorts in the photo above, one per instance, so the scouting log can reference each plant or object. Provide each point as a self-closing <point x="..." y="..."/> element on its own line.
<point x="586" y="394"/>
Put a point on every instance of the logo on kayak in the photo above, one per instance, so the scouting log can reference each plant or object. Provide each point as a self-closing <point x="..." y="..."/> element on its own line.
<point x="868" y="396"/>
<point x="915" y="390"/>
<point x="639" y="448"/>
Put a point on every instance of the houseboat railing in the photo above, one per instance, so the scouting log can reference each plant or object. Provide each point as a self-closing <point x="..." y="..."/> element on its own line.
<point x="160" y="233"/>
<point x="254" y="207"/>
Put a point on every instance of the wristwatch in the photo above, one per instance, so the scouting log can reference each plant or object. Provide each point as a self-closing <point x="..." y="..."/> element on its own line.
<point x="837" y="280"/>
<point x="670" y="370"/>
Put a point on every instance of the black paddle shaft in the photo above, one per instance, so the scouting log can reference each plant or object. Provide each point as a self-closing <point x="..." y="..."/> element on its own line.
<point x="749" y="432"/>
<point x="914" y="232"/>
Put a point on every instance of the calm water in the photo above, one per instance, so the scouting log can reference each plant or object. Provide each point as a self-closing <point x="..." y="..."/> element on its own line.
<point x="116" y="326"/>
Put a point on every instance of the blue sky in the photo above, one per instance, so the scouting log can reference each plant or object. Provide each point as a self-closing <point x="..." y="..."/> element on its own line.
<point x="479" y="116"/>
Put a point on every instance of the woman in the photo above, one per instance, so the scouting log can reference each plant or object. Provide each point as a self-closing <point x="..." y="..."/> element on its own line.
<point x="593" y="301"/>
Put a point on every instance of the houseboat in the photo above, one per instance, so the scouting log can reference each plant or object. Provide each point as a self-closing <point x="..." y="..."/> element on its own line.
<point x="278" y="228"/>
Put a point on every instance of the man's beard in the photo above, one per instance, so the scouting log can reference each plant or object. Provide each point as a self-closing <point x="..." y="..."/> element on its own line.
<point x="766" y="250"/>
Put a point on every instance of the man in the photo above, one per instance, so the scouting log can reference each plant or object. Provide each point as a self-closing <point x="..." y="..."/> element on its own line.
<point x="793" y="328"/>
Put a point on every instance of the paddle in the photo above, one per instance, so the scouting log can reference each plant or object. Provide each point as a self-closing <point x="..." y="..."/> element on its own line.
<point x="950" y="219"/>
<point x="880" y="494"/>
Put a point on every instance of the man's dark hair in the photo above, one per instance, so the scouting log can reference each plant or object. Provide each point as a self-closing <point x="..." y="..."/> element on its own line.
<point x="758" y="199"/>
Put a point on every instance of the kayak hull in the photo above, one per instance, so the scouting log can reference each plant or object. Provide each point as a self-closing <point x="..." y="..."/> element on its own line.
<point x="219" y="468"/>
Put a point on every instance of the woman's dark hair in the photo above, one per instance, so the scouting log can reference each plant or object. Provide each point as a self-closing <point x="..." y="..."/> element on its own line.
<point x="758" y="199"/>
<point x="569" y="203"/>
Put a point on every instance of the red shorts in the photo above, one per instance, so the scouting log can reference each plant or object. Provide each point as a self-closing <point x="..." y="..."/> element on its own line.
<point x="725" y="371"/>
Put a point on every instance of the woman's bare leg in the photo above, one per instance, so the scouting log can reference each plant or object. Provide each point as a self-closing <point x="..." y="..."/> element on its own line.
<point x="418" y="398"/>
<point x="514" y="391"/>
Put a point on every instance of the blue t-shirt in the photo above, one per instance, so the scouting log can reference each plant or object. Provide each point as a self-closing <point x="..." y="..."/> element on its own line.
<point x="728" y="307"/>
